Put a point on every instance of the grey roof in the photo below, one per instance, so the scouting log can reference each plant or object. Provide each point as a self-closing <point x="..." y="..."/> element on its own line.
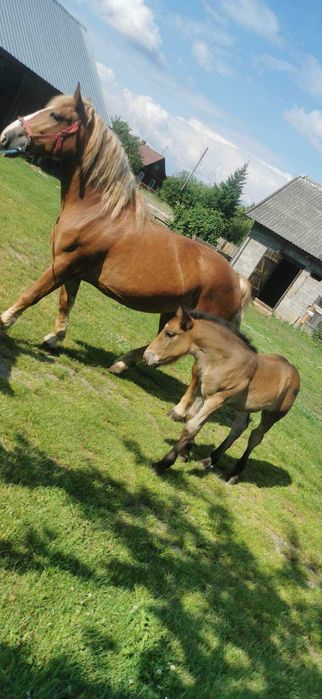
<point x="43" y="36"/>
<point x="294" y="212"/>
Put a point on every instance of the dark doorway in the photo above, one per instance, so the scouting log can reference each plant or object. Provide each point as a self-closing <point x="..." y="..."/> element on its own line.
<point x="279" y="281"/>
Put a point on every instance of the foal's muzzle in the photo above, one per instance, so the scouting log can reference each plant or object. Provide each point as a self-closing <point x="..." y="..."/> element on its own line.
<point x="150" y="358"/>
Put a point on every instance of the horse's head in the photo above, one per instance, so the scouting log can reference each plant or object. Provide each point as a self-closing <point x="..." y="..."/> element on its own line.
<point x="52" y="131"/>
<point x="172" y="342"/>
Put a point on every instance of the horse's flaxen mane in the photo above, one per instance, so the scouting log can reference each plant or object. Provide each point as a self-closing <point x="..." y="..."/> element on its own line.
<point x="106" y="168"/>
<point x="201" y="315"/>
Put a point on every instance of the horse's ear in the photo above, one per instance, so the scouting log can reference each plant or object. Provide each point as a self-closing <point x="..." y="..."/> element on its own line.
<point x="79" y="104"/>
<point x="184" y="318"/>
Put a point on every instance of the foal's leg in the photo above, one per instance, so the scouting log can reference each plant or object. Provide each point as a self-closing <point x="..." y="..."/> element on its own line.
<point x="42" y="287"/>
<point x="67" y="298"/>
<point x="239" y="425"/>
<point x="134" y="356"/>
<point x="179" y="412"/>
<point x="267" y="421"/>
<point x="190" y="430"/>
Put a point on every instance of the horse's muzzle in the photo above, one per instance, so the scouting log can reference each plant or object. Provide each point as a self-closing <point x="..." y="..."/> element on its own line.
<point x="13" y="136"/>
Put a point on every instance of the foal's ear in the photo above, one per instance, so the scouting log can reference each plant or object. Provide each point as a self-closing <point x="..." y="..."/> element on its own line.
<point x="79" y="104"/>
<point x="184" y="319"/>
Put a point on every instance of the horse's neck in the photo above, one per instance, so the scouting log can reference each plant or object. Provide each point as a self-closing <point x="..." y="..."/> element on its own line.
<point x="211" y="345"/>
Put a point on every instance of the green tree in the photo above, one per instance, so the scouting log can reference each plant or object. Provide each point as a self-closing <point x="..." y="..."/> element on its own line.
<point x="238" y="227"/>
<point x="130" y="142"/>
<point x="198" y="221"/>
<point x="230" y="191"/>
<point x="175" y="191"/>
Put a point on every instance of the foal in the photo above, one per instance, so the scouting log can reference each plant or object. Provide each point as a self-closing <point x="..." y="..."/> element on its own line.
<point x="230" y="371"/>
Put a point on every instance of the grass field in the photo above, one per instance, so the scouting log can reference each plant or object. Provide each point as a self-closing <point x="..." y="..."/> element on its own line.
<point x="115" y="583"/>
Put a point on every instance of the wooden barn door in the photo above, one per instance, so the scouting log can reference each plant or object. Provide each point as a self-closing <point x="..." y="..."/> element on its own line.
<point x="264" y="269"/>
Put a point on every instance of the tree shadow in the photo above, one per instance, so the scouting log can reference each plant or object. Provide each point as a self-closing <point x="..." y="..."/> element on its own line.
<point x="226" y="630"/>
<point x="10" y="349"/>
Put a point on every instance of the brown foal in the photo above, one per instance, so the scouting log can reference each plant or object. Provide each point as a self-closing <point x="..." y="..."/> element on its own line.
<point x="229" y="371"/>
<point x="104" y="234"/>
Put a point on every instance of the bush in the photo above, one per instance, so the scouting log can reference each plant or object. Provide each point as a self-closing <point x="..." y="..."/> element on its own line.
<point x="317" y="333"/>
<point x="198" y="221"/>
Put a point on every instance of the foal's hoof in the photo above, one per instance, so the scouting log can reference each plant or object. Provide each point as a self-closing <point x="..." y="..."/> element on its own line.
<point x="177" y="417"/>
<point x="117" y="368"/>
<point x="51" y="349"/>
<point x="160" y="467"/>
<point x="232" y="480"/>
<point x="206" y="463"/>
<point x="3" y="332"/>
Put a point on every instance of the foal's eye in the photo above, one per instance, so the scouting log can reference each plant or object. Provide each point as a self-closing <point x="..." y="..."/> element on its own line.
<point x="170" y="334"/>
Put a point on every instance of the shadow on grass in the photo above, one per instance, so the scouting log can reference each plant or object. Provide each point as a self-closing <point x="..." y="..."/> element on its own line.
<point x="225" y="626"/>
<point x="10" y="349"/>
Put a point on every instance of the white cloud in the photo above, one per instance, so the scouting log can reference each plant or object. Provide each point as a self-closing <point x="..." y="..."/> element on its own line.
<point x="105" y="72"/>
<point x="310" y="76"/>
<point x="253" y="15"/>
<point x="309" y="124"/>
<point x="203" y="55"/>
<point x="135" y="20"/>
<point x="185" y="139"/>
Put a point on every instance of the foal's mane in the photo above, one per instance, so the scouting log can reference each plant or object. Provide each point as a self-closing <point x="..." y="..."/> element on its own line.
<point x="201" y="315"/>
<point x="105" y="166"/>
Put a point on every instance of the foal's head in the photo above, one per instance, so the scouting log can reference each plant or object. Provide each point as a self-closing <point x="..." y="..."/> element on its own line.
<point x="172" y="342"/>
<point x="54" y="130"/>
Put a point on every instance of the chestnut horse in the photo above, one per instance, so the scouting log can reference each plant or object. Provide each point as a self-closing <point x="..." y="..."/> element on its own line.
<point x="230" y="371"/>
<point x="104" y="234"/>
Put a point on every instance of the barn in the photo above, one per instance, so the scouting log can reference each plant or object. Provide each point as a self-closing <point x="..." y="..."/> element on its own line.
<point x="153" y="172"/>
<point x="282" y="256"/>
<point x="43" y="51"/>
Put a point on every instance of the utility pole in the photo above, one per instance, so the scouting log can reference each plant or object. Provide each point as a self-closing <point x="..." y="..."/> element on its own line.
<point x="194" y="169"/>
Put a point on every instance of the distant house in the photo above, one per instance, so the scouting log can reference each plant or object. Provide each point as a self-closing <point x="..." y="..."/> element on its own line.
<point x="153" y="172"/>
<point x="43" y="51"/>
<point x="282" y="256"/>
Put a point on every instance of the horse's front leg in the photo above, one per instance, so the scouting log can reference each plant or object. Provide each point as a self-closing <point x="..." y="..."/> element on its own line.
<point x="67" y="298"/>
<point x="179" y="412"/>
<point x="191" y="428"/>
<point x="48" y="282"/>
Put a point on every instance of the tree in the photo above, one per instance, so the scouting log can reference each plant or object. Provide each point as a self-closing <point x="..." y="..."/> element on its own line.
<point x="238" y="227"/>
<point x="172" y="192"/>
<point x="198" y="221"/>
<point x="130" y="142"/>
<point x="230" y="191"/>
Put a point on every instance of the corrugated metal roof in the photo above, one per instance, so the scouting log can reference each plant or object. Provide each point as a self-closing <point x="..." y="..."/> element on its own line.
<point x="43" y="36"/>
<point x="295" y="213"/>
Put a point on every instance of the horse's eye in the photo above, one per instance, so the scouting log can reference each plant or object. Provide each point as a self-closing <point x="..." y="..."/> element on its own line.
<point x="56" y="116"/>
<point x="170" y="334"/>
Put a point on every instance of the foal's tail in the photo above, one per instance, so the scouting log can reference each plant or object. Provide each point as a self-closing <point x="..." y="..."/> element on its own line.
<point x="246" y="295"/>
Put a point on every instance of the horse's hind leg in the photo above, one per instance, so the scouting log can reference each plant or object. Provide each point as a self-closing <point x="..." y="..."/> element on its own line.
<point x="134" y="356"/>
<point x="239" y="425"/>
<point x="67" y="298"/>
<point x="267" y="421"/>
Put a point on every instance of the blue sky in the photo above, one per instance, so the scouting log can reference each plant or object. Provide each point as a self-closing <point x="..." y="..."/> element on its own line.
<point x="243" y="77"/>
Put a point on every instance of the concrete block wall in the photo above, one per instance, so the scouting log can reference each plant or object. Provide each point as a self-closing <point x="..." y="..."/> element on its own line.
<point x="248" y="256"/>
<point x="303" y="292"/>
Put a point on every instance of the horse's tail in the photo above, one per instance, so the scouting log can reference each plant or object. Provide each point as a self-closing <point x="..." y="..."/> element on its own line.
<point x="246" y="295"/>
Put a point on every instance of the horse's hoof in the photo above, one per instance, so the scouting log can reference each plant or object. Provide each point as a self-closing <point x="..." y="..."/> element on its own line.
<point x="51" y="349"/>
<point x="117" y="368"/>
<point x="232" y="480"/>
<point x="177" y="417"/>
<point x="3" y="332"/>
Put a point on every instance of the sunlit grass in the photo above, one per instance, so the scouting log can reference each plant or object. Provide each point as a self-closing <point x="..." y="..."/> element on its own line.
<point x="116" y="583"/>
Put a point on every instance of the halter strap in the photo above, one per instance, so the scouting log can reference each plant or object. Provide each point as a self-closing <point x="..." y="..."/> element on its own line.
<point x="59" y="137"/>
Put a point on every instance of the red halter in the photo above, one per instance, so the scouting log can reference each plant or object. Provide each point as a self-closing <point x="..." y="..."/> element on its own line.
<point x="59" y="137"/>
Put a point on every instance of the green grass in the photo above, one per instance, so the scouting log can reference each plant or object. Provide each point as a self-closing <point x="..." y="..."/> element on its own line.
<point x="161" y="207"/>
<point x="116" y="583"/>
